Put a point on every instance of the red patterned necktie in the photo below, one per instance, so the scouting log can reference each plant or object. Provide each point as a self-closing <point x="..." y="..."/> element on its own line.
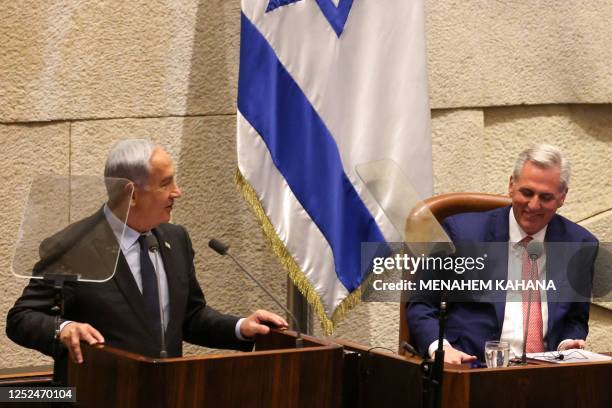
<point x="535" y="337"/>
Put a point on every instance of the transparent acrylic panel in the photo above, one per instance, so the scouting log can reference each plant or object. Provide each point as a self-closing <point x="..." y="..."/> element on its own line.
<point x="64" y="232"/>
<point x="400" y="202"/>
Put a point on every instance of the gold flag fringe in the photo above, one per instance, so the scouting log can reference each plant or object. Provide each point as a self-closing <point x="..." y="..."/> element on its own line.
<point x="292" y="268"/>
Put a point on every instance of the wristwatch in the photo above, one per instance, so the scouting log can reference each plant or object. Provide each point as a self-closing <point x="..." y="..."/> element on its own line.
<point x="58" y="327"/>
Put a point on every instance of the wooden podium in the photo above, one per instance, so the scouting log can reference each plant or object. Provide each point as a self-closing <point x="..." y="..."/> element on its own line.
<point x="382" y="379"/>
<point x="275" y="375"/>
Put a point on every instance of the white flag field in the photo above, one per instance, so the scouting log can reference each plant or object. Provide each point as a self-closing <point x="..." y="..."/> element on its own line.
<point x="324" y="86"/>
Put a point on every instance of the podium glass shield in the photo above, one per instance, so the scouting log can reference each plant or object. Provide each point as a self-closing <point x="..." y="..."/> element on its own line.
<point x="64" y="233"/>
<point x="400" y="202"/>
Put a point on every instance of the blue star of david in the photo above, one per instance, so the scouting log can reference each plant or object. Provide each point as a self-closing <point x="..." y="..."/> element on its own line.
<point x="336" y="16"/>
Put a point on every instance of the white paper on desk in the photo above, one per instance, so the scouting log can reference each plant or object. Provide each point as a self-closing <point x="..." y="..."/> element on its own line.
<point x="569" y="356"/>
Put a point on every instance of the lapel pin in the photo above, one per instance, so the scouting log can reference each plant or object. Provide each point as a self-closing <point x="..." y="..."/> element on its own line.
<point x="167" y="245"/>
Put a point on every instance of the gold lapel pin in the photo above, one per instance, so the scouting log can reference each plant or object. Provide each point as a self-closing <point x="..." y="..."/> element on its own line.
<point x="167" y="245"/>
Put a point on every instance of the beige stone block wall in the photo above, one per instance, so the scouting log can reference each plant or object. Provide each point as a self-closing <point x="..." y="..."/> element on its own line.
<point x="583" y="132"/>
<point x="26" y="150"/>
<point x="600" y="321"/>
<point x="600" y="226"/>
<point x="77" y="76"/>
<point x="492" y="53"/>
<point x="474" y="150"/>
<point x="114" y="59"/>
<point x="458" y="138"/>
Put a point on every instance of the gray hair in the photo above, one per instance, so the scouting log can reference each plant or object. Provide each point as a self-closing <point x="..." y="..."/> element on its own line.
<point x="129" y="159"/>
<point x="544" y="156"/>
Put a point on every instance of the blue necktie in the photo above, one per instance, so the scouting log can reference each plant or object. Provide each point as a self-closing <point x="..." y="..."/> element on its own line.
<point x="149" y="285"/>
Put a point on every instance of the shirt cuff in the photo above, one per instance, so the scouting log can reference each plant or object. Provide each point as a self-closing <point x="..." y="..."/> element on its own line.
<point x="59" y="329"/>
<point x="560" y="344"/>
<point x="237" y="331"/>
<point x="434" y="346"/>
<point x="64" y="324"/>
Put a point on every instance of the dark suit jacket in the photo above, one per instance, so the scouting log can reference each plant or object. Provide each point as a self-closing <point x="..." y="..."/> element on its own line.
<point x="116" y="307"/>
<point x="470" y="324"/>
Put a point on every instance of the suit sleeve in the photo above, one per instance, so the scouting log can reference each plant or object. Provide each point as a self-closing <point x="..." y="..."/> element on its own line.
<point x="576" y="320"/>
<point x="423" y="324"/>
<point x="422" y="313"/>
<point x="202" y="324"/>
<point x="30" y="322"/>
<point x="576" y="323"/>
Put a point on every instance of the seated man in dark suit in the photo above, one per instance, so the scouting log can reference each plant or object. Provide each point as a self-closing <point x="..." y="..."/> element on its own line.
<point x="537" y="187"/>
<point x="125" y="311"/>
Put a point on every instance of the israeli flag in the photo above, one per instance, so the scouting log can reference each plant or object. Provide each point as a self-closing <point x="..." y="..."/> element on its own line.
<point x="326" y="85"/>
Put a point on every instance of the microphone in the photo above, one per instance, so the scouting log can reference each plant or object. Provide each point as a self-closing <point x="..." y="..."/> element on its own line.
<point x="218" y="246"/>
<point x="534" y="251"/>
<point x="408" y="347"/>
<point x="222" y="249"/>
<point x="153" y="245"/>
<point x="151" y="242"/>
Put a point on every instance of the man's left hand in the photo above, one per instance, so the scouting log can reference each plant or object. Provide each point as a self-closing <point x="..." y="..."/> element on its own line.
<point x="571" y="344"/>
<point x="255" y="323"/>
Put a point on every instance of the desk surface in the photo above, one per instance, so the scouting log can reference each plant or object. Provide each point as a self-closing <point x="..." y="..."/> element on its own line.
<point x="30" y="375"/>
<point x="386" y="379"/>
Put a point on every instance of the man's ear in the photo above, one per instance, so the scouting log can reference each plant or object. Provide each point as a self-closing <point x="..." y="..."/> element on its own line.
<point x="128" y="190"/>
<point x="510" y="186"/>
<point x="561" y="199"/>
<point x="134" y="196"/>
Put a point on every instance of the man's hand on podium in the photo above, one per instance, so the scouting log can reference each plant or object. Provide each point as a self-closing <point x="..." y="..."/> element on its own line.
<point x="260" y="322"/>
<point x="73" y="333"/>
<point x="571" y="344"/>
<point x="454" y="356"/>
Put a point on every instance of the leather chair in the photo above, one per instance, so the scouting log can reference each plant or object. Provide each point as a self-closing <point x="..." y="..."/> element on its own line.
<point x="440" y="207"/>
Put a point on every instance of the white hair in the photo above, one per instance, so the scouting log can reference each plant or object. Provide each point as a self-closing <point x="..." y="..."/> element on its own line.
<point x="544" y="156"/>
<point x="129" y="159"/>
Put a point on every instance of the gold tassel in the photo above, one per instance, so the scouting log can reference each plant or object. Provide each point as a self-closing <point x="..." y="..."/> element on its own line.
<point x="294" y="271"/>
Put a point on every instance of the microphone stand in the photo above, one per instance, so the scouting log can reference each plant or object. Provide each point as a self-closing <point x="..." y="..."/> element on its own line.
<point x="163" y="353"/>
<point x="433" y="370"/>
<point x="57" y="310"/>
<point x="152" y="244"/>
<point x="299" y="342"/>
<point x="532" y="266"/>
<point x="222" y="249"/>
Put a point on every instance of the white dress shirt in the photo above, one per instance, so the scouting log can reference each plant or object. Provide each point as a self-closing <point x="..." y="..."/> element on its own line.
<point x="128" y="241"/>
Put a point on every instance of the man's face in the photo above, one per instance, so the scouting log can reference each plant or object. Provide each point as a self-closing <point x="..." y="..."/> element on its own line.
<point x="152" y="204"/>
<point x="536" y="196"/>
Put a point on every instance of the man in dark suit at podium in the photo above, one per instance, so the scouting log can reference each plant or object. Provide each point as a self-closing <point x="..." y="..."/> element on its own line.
<point x="129" y="310"/>
<point x="537" y="187"/>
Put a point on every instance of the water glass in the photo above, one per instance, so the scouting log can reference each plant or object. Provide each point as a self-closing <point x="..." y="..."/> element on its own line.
<point x="497" y="354"/>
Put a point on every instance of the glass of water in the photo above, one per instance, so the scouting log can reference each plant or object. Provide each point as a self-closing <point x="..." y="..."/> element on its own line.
<point x="497" y="353"/>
